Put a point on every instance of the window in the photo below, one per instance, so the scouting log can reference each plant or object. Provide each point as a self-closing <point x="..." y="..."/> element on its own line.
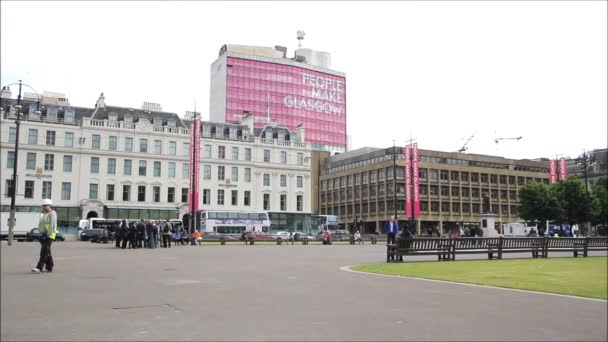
<point x="9" y="188"/>
<point x="300" y="158"/>
<point x="141" y="193"/>
<point x="94" y="165"/>
<point x="171" y="169"/>
<point x="66" y="191"/>
<point x="221" y="152"/>
<point x="158" y="146"/>
<point x="128" y="144"/>
<point x="51" y="114"/>
<point x="235" y="153"/>
<point x="96" y="142"/>
<point x="127" y="167"/>
<point x="247" y="198"/>
<point x="112" y="142"/>
<point x="207" y="172"/>
<point x="49" y="162"/>
<point x="172" y="148"/>
<point x="186" y="149"/>
<point x="283" y="181"/>
<point x="266" y="179"/>
<point x="69" y="116"/>
<point x="12" y="134"/>
<point x="68" y="140"/>
<point x="47" y="189"/>
<point x="170" y="195"/>
<point x="266" y="201"/>
<point x="110" y="192"/>
<point x="184" y="195"/>
<point x="143" y="146"/>
<point x="30" y="163"/>
<point x="126" y="193"/>
<point x="111" y="166"/>
<point x="283" y="157"/>
<point x="247" y="175"/>
<point x="267" y="156"/>
<point x="206" y="196"/>
<point x="29" y="190"/>
<point x="10" y="159"/>
<point x="283" y="202"/>
<point x="299" y="202"/>
<point x="67" y="163"/>
<point x="220" y="173"/>
<point x="185" y="170"/>
<point x="32" y="136"/>
<point x="50" y="138"/>
<point x="142" y="167"/>
<point x="300" y="181"/>
<point x="93" y="191"/>
<point x="248" y="154"/>
<point x="235" y="174"/>
<point x="156" y="193"/>
<point x="235" y="197"/>
<point x="220" y="197"/>
<point x="207" y="152"/>
<point x="156" y="169"/>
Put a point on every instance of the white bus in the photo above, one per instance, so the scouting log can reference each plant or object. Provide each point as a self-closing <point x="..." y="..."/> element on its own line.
<point x="232" y="222"/>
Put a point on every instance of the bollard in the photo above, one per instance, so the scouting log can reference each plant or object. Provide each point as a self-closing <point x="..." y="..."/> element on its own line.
<point x="279" y="241"/>
<point x="222" y="241"/>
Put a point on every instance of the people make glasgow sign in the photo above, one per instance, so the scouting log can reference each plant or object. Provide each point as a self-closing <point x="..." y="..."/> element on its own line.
<point x="326" y="95"/>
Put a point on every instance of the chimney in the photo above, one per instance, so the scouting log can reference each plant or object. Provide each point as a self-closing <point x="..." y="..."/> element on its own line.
<point x="101" y="102"/>
<point x="248" y="120"/>
<point x="300" y="133"/>
<point x="6" y="93"/>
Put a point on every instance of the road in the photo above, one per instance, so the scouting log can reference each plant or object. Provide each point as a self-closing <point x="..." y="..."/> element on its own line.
<point x="258" y="292"/>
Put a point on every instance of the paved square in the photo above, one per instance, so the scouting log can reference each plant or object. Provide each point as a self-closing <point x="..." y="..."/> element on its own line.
<point x="97" y="292"/>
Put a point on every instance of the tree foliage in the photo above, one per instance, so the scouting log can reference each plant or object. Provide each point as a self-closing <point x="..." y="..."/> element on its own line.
<point x="573" y="200"/>
<point x="539" y="203"/>
<point x="600" y="200"/>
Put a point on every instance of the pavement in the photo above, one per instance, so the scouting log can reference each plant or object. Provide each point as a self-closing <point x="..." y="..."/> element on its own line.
<point x="265" y="292"/>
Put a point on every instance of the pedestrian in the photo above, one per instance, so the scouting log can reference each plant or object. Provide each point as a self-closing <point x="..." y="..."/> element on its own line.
<point x="119" y="233"/>
<point x="149" y="227"/>
<point x="391" y="228"/>
<point x="141" y="236"/>
<point x="197" y="237"/>
<point x="358" y="237"/>
<point x="166" y="235"/>
<point x="133" y="234"/>
<point x="47" y="226"/>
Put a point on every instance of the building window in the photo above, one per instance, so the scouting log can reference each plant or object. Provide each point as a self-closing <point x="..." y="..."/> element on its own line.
<point x="94" y="165"/>
<point x="156" y="169"/>
<point x="49" y="162"/>
<point x="68" y="140"/>
<point x="247" y="198"/>
<point x="220" y="173"/>
<point x="9" y="188"/>
<point x="10" y="159"/>
<point x="112" y="142"/>
<point x="247" y="175"/>
<point x="235" y="174"/>
<point x="171" y="169"/>
<point x="156" y="193"/>
<point x="207" y="196"/>
<point x="111" y="166"/>
<point x="266" y="201"/>
<point x="12" y="134"/>
<point x="32" y="136"/>
<point x="30" y="163"/>
<point x="220" y="197"/>
<point x="172" y="148"/>
<point x="207" y="151"/>
<point x="93" y="191"/>
<point x="69" y="116"/>
<point x="126" y="193"/>
<point x="186" y="149"/>
<point x="67" y="163"/>
<point x="207" y="172"/>
<point x="267" y="156"/>
<point x="266" y="179"/>
<point x="300" y="159"/>
<point x="110" y="192"/>
<point x="221" y="152"/>
<point x="50" y="138"/>
<point x="141" y="193"/>
<point x="299" y="202"/>
<point x="142" y="167"/>
<point x="184" y="195"/>
<point x="235" y="197"/>
<point x="47" y="189"/>
<point x="283" y="181"/>
<point x="128" y="144"/>
<point x="96" y="142"/>
<point x="235" y="153"/>
<point x="185" y="170"/>
<point x="127" y="167"/>
<point x="51" y="114"/>
<point x="248" y="154"/>
<point x="283" y="202"/>
<point x="170" y="195"/>
<point x="143" y="145"/>
<point x="158" y="146"/>
<point x="300" y="181"/>
<point x="283" y="157"/>
<point x="66" y="191"/>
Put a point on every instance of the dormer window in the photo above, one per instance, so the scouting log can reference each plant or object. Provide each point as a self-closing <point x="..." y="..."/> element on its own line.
<point x="281" y="135"/>
<point x="171" y="123"/>
<point x="69" y="115"/>
<point x="32" y="113"/>
<point x="129" y="119"/>
<point x="51" y="114"/>
<point x="158" y="122"/>
<point x="113" y="117"/>
<point x="206" y="130"/>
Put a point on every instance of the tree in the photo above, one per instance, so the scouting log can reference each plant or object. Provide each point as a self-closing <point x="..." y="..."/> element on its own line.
<point x="573" y="200"/>
<point x="600" y="200"/>
<point x="539" y="203"/>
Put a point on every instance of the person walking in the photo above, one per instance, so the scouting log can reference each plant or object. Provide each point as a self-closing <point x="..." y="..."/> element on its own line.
<point x="149" y="228"/>
<point x="119" y="236"/>
<point x="166" y="235"/>
<point x="391" y="228"/>
<point x="47" y="226"/>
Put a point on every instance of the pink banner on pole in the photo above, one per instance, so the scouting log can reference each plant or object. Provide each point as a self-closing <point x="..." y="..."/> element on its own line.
<point x="408" y="182"/>
<point x="552" y="173"/>
<point x="194" y="165"/>
<point x="563" y="172"/>
<point x="416" y="184"/>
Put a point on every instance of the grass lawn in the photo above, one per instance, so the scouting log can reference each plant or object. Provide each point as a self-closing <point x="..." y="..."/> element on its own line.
<point x="585" y="277"/>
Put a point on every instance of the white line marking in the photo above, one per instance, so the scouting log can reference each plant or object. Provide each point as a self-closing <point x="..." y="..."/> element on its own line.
<point x="349" y="269"/>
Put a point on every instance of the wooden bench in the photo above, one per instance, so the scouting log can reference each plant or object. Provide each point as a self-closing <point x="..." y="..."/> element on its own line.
<point x="419" y="246"/>
<point x="567" y="244"/>
<point x="597" y="244"/>
<point x="476" y="246"/>
<point x="534" y="245"/>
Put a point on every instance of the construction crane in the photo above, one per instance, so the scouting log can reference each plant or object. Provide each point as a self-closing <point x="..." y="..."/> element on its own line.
<point x="499" y="139"/>
<point x="464" y="147"/>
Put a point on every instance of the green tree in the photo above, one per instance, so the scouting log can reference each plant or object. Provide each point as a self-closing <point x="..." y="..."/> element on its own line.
<point x="538" y="203"/>
<point x="573" y="200"/>
<point x="600" y="201"/>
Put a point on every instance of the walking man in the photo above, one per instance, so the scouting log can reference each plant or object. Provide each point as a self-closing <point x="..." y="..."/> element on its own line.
<point x="391" y="228"/>
<point x="47" y="226"/>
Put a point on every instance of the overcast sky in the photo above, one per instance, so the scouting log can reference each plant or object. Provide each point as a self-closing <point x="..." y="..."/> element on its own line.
<point x="440" y="70"/>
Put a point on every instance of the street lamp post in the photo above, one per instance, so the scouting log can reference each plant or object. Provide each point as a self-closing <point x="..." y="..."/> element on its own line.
<point x="18" y="108"/>
<point x="395" y="181"/>
<point x="193" y="174"/>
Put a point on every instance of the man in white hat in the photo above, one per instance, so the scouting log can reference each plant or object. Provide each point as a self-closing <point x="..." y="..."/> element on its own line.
<point x="48" y="230"/>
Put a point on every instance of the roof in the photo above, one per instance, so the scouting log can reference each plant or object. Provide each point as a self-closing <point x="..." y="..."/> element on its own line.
<point x="103" y="113"/>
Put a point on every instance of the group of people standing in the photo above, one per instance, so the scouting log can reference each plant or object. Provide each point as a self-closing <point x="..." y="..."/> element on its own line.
<point x="148" y="234"/>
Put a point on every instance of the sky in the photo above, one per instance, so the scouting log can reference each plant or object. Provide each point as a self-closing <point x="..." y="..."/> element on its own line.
<point x="436" y="71"/>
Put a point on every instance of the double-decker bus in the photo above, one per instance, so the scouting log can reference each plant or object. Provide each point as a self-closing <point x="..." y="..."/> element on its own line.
<point x="323" y="222"/>
<point x="231" y="222"/>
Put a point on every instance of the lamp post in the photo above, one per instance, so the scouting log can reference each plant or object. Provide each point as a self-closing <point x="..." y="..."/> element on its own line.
<point x="585" y="160"/>
<point x="18" y="108"/>
<point x="193" y="172"/>
<point x="395" y="182"/>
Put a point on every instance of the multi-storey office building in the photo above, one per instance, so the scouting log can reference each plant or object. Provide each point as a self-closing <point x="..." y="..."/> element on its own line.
<point x="358" y="187"/>
<point x="118" y="162"/>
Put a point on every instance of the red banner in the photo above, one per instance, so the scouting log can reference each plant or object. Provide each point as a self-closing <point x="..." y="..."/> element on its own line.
<point x="552" y="173"/>
<point x="563" y="172"/>
<point x="195" y="145"/>
<point x="408" y="182"/>
<point x="416" y="181"/>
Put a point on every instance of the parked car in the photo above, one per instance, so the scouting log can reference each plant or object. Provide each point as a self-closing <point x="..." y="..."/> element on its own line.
<point x="258" y="236"/>
<point x="298" y="236"/>
<point x="94" y="235"/>
<point x="34" y="235"/>
<point x="341" y="235"/>
<point x="283" y="235"/>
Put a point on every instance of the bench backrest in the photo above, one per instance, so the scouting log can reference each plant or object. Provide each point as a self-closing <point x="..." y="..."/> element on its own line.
<point x="522" y="243"/>
<point x="475" y="243"/>
<point x="597" y="242"/>
<point x="421" y="244"/>
<point x="563" y="242"/>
